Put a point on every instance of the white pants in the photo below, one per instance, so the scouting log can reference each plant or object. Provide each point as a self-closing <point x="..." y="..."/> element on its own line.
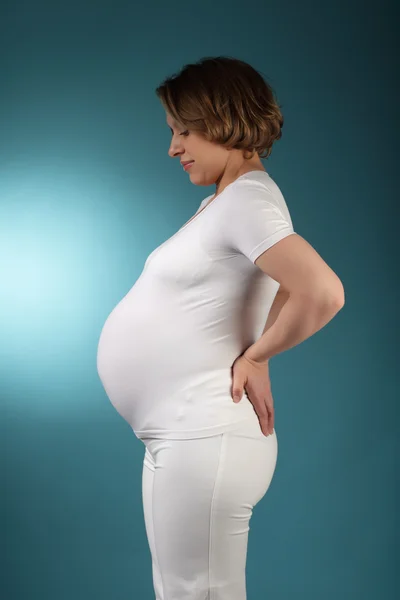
<point x="198" y="496"/>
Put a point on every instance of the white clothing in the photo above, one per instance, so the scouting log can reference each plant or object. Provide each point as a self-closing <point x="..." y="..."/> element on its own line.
<point x="198" y="499"/>
<point x="166" y="351"/>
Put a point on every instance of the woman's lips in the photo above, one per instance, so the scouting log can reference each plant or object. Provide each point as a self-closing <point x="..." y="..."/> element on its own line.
<point x="188" y="165"/>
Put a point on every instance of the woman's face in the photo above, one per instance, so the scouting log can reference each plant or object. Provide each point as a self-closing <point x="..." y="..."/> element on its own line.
<point x="210" y="159"/>
<point x="213" y="164"/>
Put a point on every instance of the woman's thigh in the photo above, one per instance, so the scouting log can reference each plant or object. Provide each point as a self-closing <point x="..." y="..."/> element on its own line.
<point x="198" y="496"/>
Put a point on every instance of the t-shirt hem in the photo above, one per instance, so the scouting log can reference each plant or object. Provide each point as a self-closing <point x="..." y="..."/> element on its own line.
<point x="183" y="434"/>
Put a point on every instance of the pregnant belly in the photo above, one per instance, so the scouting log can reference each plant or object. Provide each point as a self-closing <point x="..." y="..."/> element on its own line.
<point x="127" y="353"/>
<point x="155" y="363"/>
<point x="144" y="354"/>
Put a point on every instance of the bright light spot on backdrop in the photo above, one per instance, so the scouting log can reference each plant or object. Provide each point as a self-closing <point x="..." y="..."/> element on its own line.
<point x="66" y="236"/>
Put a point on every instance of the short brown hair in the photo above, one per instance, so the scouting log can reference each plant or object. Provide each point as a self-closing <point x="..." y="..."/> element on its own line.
<point x="227" y="101"/>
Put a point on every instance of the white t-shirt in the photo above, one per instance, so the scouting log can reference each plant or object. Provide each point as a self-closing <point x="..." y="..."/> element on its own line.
<point x="166" y="351"/>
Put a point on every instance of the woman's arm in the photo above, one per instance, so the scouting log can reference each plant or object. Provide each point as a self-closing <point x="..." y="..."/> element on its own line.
<point x="298" y="319"/>
<point x="276" y="307"/>
<point x="316" y="294"/>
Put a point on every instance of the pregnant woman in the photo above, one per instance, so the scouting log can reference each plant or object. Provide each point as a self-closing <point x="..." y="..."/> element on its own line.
<point x="234" y="286"/>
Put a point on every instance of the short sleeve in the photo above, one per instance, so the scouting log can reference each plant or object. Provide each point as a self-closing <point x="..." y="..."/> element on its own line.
<point x="256" y="219"/>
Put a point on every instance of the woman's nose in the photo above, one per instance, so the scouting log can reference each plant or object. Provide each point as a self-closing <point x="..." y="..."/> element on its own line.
<point x="174" y="151"/>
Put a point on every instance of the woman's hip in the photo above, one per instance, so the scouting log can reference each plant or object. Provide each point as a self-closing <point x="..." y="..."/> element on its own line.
<point x="236" y="465"/>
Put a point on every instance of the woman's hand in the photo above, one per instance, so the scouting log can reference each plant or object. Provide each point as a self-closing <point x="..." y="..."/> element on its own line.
<point x="254" y="377"/>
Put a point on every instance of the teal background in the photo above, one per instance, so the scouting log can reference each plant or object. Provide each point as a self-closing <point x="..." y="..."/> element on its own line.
<point x="87" y="191"/>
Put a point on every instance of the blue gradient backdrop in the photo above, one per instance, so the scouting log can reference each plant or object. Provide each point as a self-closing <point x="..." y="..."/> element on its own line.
<point x="87" y="191"/>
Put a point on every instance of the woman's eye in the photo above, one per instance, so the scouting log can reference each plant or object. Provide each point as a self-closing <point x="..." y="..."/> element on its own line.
<point x="184" y="133"/>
